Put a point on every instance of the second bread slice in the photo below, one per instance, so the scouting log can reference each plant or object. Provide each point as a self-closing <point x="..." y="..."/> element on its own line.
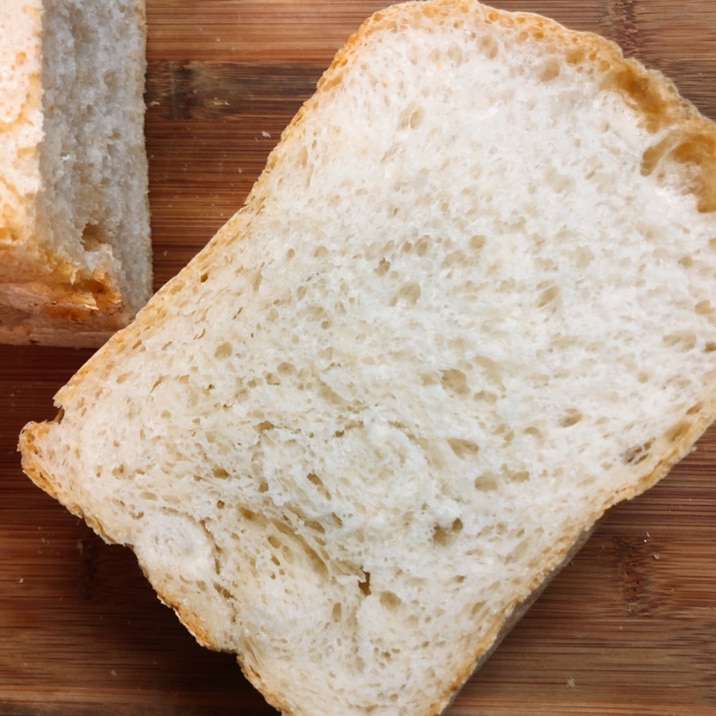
<point x="75" y="251"/>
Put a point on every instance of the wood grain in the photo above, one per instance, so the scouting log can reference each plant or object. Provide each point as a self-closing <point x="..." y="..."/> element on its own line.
<point x="629" y="627"/>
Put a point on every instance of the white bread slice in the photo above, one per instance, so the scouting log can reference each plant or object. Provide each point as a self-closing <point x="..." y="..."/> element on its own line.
<point x="75" y="251"/>
<point x="466" y="309"/>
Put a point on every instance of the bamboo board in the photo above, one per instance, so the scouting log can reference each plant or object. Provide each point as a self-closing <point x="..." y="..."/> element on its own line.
<point x="629" y="627"/>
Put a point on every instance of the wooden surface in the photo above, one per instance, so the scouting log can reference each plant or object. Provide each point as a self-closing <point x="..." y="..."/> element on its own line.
<point x="629" y="627"/>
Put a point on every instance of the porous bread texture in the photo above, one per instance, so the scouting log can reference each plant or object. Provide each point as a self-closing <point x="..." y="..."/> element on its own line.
<point x="466" y="309"/>
<point x="75" y="252"/>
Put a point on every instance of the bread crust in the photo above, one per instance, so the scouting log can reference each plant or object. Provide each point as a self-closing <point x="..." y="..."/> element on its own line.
<point x="80" y="315"/>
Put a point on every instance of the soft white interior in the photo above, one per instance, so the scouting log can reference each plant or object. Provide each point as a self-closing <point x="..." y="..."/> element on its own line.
<point x="459" y="323"/>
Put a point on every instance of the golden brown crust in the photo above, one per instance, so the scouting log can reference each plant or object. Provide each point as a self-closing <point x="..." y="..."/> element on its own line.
<point x="80" y="315"/>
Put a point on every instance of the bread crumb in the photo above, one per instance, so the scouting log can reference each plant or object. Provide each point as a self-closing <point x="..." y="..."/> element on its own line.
<point x="571" y="682"/>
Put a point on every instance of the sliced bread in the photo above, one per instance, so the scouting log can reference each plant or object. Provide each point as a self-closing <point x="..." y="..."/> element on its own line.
<point x="75" y="251"/>
<point x="466" y="309"/>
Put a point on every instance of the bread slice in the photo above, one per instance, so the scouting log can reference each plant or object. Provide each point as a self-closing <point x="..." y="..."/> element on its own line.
<point x="466" y="309"/>
<point x="75" y="252"/>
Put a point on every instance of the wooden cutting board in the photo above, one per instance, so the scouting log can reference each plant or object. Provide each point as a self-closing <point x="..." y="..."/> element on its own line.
<point x="629" y="627"/>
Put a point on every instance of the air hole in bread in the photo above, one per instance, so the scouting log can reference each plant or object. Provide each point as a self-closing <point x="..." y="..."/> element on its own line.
<point x="422" y="246"/>
<point x="570" y="418"/>
<point x="223" y="591"/>
<point x="329" y="395"/>
<point x="678" y="431"/>
<point x="549" y="70"/>
<point x="223" y="351"/>
<point x="411" y="117"/>
<point x="476" y="243"/>
<point x="383" y="267"/>
<point x="463" y="448"/>
<point x="389" y="600"/>
<point x="316" y="480"/>
<point x="316" y="312"/>
<point x="518" y="551"/>
<point x="547" y="295"/>
<point x="454" y="381"/>
<point x="428" y="379"/>
<point x="488" y="46"/>
<point x="489" y="365"/>
<point x="456" y="54"/>
<point x="683" y="341"/>
<point x="582" y="257"/>
<point x="444" y="536"/>
<point x="271" y="378"/>
<point x="487" y="482"/>
<point x="315" y="526"/>
<point x="408" y="293"/>
<point x="533" y="431"/>
<point x="487" y="396"/>
<point x="285" y="368"/>
<point x="91" y="237"/>
<point x="638" y="453"/>
<point x="454" y="258"/>
<point x="364" y="584"/>
<point x="695" y="408"/>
